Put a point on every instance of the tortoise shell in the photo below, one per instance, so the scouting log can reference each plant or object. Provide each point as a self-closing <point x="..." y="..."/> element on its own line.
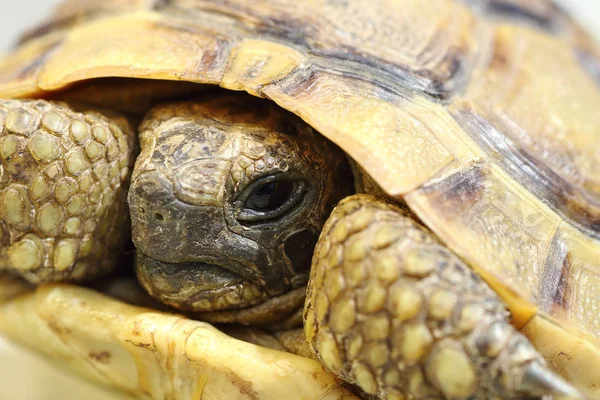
<point x="481" y="115"/>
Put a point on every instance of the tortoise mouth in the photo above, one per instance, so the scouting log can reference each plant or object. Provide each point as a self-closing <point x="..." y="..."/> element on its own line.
<point x="196" y="286"/>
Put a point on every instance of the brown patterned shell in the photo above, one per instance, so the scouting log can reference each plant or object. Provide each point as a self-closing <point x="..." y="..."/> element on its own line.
<point x="481" y="114"/>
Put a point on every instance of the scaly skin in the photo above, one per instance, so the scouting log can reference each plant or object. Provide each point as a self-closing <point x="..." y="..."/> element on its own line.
<point x="63" y="180"/>
<point x="392" y="310"/>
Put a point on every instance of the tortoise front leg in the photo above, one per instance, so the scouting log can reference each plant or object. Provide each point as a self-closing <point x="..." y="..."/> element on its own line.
<point x="63" y="183"/>
<point x="391" y="309"/>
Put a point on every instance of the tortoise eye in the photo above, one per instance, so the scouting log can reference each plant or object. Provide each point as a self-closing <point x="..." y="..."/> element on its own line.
<point x="270" y="197"/>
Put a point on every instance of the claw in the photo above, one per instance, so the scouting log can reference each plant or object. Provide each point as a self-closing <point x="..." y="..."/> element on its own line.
<point x="524" y="374"/>
<point x="539" y="380"/>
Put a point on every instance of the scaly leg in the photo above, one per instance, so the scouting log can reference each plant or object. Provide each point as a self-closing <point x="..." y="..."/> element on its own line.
<point x="394" y="311"/>
<point x="63" y="184"/>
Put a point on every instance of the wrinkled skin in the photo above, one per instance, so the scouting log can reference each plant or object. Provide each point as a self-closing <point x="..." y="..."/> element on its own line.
<point x="227" y="201"/>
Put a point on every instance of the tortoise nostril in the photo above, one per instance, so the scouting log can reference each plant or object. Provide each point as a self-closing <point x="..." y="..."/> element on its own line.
<point x="159" y="216"/>
<point x="141" y="210"/>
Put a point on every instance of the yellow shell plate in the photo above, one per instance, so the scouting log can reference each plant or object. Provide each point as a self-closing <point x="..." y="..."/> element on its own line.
<point x="148" y="354"/>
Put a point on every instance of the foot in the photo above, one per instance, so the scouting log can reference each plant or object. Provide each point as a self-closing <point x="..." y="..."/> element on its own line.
<point x="63" y="184"/>
<point x="391" y="309"/>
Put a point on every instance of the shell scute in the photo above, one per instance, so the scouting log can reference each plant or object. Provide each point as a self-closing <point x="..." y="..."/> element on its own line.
<point x="541" y="127"/>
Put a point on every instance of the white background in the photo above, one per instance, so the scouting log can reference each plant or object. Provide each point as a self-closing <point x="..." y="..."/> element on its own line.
<point x="23" y="376"/>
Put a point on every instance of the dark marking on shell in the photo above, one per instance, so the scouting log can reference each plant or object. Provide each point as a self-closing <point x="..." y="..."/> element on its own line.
<point x="137" y="329"/>
<point x="74" y="12"/>
<point x="459" y="191"/>
<point x="293" y="30"/>
<point x="499" y="61"/>
<point x="573" y="203"/>
<point x="102" y="357"/>
<point x="215" y="58"/>
<point x="554" y="288"/>
<point x="57" y="328"/>
<point x="567" y="356"/>
<point x="459" y="74"/>
<point x="34" y="66"/>
<point x="47" y="28"/>
<point x="140" y="344"/>
<point x="590" y="63"/>
<point x="348" y="62"/>
<point x="544" y="14"/>
<point x="545" y="17"/>
<point x="245" y="387"/>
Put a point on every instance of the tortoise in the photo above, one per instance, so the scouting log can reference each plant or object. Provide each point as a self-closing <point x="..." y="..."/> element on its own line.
<point x="459" y="140"/>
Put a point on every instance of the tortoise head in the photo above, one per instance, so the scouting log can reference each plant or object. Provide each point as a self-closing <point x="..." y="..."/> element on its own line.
<point x="227" y="199"/>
